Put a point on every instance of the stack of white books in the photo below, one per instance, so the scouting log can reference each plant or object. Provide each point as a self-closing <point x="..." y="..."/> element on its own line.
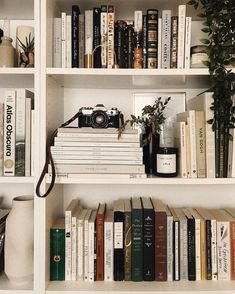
<point x="85" y="152"/>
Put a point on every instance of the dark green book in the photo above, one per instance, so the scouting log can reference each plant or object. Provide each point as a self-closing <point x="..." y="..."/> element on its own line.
<point x="57" y="250"/>
<point x="136" y="240"/>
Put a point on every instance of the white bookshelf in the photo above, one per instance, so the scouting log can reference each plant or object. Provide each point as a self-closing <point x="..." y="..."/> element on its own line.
<point x="59" y="93"/>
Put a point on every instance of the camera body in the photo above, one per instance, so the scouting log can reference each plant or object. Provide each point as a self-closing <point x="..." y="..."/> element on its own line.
<point x="99" y="117"/>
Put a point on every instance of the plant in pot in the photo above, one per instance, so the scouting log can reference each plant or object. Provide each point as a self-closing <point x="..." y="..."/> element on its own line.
<point x="220" y="47"/>
<point x="27" y="54"/>
<point x="150" y="123"/>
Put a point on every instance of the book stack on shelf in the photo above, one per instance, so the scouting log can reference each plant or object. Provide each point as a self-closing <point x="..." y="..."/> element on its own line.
<point x="16" y="133"/>
<point x="165" y="243"/>
<point x="94" y="152"/>
<point x="153" y="39"/>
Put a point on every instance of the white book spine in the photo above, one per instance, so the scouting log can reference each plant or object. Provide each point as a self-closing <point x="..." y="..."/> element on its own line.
<point x="86" y="248"/>
<point x="57" y="54"/>
<point x="80" y="249"/>
<point x="97" y="161"/>
<point x="91" y="153"/>
<point x="183" y="251"/>
<point x="63" y="39"/>
<point x="91" y="251"/>
<point x="68" y="262"/>
<point x="97" y="144"/>
<point x="169" y="248"/>
<point x="223" y="250"/>
<point x="187" y="42"/>
<point x="108" y="251"/>
<point x="181" y="35"/>
<point x="96" y="157"/>
<point x="166" y="38"/>
<point x="214" y="250"/>
<point x="95" y="149"/>
<point x="32" y="153"/>
<point x="1" y="138"/>
<point x="104" y="34"/>
<point x="68" y="41"/>
<point x="193" y="149"/>
<point x="159" y="49"/>
<point x="9" y="133"/>
<point x="198" y="248"/>
<point x="74" y="248"/>
<point x="176" y="251"/>
<point x="97" y="135"/>
<point x="28" y="137"/>
<point x="110" y="37"/>
<point x="88" y="32"/>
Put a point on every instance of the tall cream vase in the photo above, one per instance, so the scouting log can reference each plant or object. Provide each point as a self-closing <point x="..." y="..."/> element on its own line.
<point x="19" y="240"/>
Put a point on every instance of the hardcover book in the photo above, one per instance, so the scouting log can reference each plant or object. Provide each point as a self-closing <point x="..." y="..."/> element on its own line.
<point x="104" y="33"/>
<point x="81" y="38"/>
<point x="75" y="34"/>
<point x="160" y="240"/>
<point x="96" y="38"/>
<point x="108" y="246"/>
<point x="88" y="38"/>
<point x="91" y="247"/>
<point x="127" y="239"/>
<point x="100" y="242"/>
<point x="145" y="42"/>
<point x="1" y="137"/>
<point x="138" y="39"/>
<point x="57" y="54"/>
<point x="174" y="41"/>
<point x="110" y="48"/>
<point x="9" y="132"/>
<point x="68" y="41"/>
<point x="57" y="250"/>
<point x="166" y="38"/>
<point x="152" y="39"/>
<point x="170" y="248"/>
<point x="63" y="39"/>
<point x="118" y="264"/>
<point x="148" y="240"/>
<point x="80" y="245"/>
<point x="136" y="240"/>
<point x="181" y="35"/>
<point x="86" y="244"/>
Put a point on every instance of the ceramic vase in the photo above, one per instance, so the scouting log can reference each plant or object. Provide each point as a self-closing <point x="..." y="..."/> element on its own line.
<point x="7" y="53"/>
<point x="19" y="240"/>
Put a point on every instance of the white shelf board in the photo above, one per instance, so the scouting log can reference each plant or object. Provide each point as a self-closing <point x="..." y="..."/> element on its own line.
<point x="7" y="287"/>
<point x="196" y="287"/>
<point x="16" y="180"/>
<point x="129" y="78"/>
<point x="16" y="71"/>
<point x="147" y="181"/>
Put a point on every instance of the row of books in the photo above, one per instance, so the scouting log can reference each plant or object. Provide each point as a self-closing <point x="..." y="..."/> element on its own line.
<point x="16" y="132"/>
<point x="142" y="239"/>
<point x="94" y="39"/>
<point x="98" y="151"/>
<point x="196" y="140"/>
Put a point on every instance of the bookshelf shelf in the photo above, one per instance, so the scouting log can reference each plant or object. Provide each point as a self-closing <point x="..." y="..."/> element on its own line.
<point x="141" y="288"/>
<point x="129" y="78"/>
<point x="147" y="181"/>
<point x="16" y="71"/>
<point x="8" y="288"/>
<point x="16" y="180"/>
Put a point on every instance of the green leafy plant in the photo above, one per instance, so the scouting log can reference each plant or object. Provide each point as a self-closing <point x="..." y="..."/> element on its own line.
<point x="151" y="119"/>
<point x="28" y="46"/>
<point x="219" y="22"/>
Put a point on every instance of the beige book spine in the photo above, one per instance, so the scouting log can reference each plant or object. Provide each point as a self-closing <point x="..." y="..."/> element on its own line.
<point x="200" y="144"/>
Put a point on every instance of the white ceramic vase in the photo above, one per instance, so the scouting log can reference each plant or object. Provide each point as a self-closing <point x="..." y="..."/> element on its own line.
<point x="19" y="240"/>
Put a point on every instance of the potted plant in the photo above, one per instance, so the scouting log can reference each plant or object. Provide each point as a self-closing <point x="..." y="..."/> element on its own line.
<point x="220" y="26"/>
<point x="150" y="122"/>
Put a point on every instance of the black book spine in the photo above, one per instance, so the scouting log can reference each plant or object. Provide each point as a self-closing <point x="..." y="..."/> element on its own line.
<point x="75" y="32"/>
<point x="174" y="41"/>
<point x="145" y="42"/>
<point x="119" y="39"/>
<point x="208" y="251"/>
<point x="152" y="28"/>
<point x="149" y="245"/>
<point x="118" y="261"/>
<point x="191" y="251"/>
<point x="96" y="38"/>
<point x="130" y="45"/>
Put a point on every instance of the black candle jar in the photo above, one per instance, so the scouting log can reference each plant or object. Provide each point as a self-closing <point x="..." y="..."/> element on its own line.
<point x="167" y="162"/>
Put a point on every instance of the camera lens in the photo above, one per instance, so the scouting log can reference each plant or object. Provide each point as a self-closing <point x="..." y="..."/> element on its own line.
<point x="99" y="119"/>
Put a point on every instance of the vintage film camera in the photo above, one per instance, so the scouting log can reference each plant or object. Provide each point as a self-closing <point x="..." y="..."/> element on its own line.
<point x="100" y="117"/>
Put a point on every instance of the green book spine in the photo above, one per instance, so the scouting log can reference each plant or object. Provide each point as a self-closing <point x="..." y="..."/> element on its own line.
<point x="137" y="245"/>
<point x="57" y="254"/>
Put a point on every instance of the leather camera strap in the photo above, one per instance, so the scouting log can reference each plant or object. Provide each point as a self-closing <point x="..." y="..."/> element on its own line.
<point x="49" y="160"/>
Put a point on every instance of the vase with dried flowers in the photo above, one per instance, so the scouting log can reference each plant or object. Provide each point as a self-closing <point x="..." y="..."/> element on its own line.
<point x="150" y="123"/>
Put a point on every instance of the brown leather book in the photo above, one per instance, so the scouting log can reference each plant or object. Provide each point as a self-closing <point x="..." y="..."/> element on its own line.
<point x="100" y="242"/>
<point x="160" y="240"/>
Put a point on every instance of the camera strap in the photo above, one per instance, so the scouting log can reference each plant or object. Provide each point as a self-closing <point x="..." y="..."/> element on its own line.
<point x="49" y="160"/>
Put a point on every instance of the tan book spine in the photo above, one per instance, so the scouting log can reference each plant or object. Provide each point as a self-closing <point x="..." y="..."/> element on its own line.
<point x="100" y="244"/>
<point x="200" y="144"/>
